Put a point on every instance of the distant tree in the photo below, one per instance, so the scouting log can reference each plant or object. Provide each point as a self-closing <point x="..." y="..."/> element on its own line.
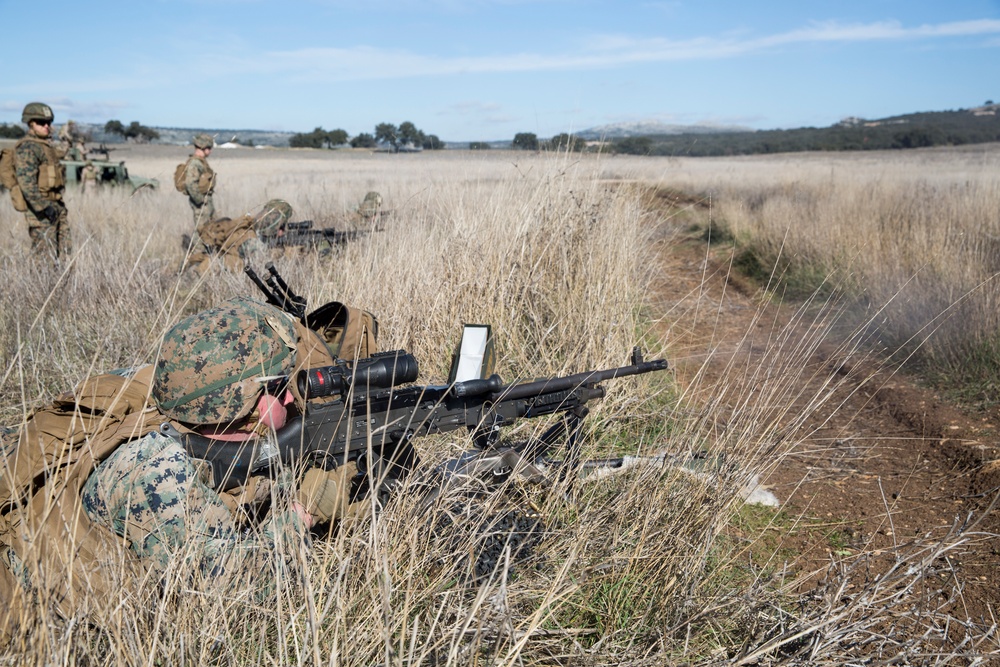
<point x="140" y="133"/>
<point x="336" y="137"/>
<point x="525" y="141"/>
<point x="11" y="131"/>
<point x="409" y="134"/>
<point x="364" y="140"/>
<point x="318" y="138"/>
<point x="432" y="143"/>
<point x="565" y="142"/>
<point x="115" y="127"/>
<point x="633" y="146"/>
<point x="387" y="133"/>
<point x="478" y="146"/>
<point x="989" y="103"/>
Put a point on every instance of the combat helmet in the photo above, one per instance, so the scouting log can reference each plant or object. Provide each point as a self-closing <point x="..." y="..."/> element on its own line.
<point x="211" y="363"/>
<point x="37" y="111"/>
<point x="271" y="218"/>
<point x="203" y="141"/>
<point x="370" y="205"/>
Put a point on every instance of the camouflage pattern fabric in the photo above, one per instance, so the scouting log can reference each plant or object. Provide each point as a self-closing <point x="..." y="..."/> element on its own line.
<point x="272" y="217"/>
<point x="41" y="179"/>
<point x="149" y="492"/>
<point x="210" y="362"/>
<point x="370" y="206"/>
<point x="199" y="184"/>
<point x="203" y="141"/>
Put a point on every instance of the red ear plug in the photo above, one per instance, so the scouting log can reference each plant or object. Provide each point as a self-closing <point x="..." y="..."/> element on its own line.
<point x="272" y="413"/>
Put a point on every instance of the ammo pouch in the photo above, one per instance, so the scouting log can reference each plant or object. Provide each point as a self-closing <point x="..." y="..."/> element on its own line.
<point x="350" y="333"/>
<point x="206" y="182"/>
<point x="51" y="179"/>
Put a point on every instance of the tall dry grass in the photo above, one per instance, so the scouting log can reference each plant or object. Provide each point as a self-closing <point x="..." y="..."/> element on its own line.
<point x="912" y="237"/>
<point x="557" y="259"/>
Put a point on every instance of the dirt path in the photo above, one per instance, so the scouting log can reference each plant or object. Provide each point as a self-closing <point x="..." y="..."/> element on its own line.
<point x="885" y="461"/>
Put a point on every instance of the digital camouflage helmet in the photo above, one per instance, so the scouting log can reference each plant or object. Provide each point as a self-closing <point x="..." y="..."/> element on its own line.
<point x="211" y="363"/>
<point x="37" y="111"/>
<point x="203" y="141"/>
<point x="271" y="218"/>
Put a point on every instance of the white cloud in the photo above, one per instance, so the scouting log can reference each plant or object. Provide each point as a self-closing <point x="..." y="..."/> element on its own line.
<point x="371" y="63"/>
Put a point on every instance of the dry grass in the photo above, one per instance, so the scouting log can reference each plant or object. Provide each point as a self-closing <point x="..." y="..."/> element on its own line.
<point x="913" y="238"/>
<point x="556" y="258"/>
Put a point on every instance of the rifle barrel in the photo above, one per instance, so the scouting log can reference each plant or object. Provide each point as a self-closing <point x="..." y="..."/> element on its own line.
<point x="529" y="389"/>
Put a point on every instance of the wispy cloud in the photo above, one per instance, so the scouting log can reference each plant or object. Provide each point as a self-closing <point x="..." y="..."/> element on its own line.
<point x="605" y="51"/>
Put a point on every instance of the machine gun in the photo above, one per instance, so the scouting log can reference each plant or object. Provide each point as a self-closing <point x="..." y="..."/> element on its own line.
<point x="101" y="150"/>
<point x="369" y="418"/>
<point x="304" y="234"/>
<point x="362" y="412"/>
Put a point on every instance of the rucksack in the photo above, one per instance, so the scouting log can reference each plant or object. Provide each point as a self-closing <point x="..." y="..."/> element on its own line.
<point x="180" y="175"/>
<point x="8" y="178"/>
<point x="350" y="333"/>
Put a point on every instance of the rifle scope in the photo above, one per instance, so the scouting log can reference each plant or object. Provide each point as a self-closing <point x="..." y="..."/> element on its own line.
<point x="382" y="370"/>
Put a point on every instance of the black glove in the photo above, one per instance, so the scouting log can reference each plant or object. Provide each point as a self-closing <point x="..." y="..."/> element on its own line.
<point x="51" y="213"/>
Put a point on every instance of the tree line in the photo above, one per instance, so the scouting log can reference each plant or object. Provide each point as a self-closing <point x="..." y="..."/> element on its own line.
<point x="134" y="131"/>
<point x="919" y="130"/>
<point x="405" y="136"/>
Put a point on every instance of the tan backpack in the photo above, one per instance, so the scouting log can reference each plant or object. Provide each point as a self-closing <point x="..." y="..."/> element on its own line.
<point x="350" y="333"/>
<point x="180" y="174"/>
<point x="8" y="178"/>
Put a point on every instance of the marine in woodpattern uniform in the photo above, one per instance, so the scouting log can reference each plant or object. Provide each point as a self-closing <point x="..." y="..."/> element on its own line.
<point x="42" y="181"/>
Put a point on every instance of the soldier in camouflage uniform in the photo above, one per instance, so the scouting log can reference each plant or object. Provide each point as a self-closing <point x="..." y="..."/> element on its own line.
<point x="41" y="179"/>
<point x="232" y="241"/>
<point x="199" y="180"/>
<point x="371" y="206"/>
<point x="147" y="490"/>
<point x="153" y="493"/>
<point x="88" y="178"/>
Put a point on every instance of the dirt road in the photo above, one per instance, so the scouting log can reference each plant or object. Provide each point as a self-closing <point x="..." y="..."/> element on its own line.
<point x="884" y="463"/>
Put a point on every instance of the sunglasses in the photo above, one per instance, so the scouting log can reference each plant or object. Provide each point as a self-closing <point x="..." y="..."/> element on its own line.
<point x="42" y="122"/>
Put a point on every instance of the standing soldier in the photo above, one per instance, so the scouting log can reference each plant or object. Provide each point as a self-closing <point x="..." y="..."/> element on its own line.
<point x="88" y="178"/>
<point x="199" y="180"/>
<point x="41" y="180"/>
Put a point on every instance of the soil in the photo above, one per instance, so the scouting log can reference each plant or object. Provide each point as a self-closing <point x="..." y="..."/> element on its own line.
<point x="883" y="464"/>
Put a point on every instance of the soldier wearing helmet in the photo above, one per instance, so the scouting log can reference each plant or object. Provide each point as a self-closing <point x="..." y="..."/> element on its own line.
<point x="41" y="180"/>
<point x="199" y="180"/>
<point x="141" y="500"/>
<point x="232" y="241"/>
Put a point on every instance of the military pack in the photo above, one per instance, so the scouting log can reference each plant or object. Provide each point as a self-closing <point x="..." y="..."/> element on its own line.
<point x="179" y="175"/>
<point x="8" y="178"/>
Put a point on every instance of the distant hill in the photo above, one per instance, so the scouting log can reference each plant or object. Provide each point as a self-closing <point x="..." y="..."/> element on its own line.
<point x="915" y="130"/>
<point x="645" y="128"/>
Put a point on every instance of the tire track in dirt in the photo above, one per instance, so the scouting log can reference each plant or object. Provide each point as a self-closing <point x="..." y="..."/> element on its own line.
<point x="885" y="461"/>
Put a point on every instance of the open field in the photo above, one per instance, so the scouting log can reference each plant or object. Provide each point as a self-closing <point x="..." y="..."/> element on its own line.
<point x="574" y="260"/>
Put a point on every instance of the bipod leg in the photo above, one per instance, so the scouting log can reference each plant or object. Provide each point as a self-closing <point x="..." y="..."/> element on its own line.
<point x="573" y="422"/>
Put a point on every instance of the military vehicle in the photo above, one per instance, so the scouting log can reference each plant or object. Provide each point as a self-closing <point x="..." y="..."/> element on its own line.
<point x="109" y="172"/>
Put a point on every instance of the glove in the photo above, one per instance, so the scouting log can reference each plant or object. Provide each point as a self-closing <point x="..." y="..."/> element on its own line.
<point x="51" y="213"/>
<point x="326" y="493"/>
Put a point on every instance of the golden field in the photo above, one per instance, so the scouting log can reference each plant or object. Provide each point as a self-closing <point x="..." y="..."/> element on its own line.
<point x="558" y="254"/>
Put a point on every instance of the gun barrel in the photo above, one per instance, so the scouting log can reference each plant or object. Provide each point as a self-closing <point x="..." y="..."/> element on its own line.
<point x="529" y="389"/>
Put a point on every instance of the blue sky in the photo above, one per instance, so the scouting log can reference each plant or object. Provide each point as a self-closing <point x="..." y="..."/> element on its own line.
<point x="487" y="69"/>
